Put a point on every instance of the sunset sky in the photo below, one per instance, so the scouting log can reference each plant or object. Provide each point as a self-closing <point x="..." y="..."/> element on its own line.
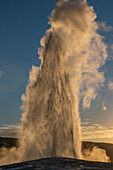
<point x="23" y="24"/>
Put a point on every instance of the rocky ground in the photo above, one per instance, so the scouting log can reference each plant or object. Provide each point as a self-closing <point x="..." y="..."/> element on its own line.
<point x="59" y="164"/>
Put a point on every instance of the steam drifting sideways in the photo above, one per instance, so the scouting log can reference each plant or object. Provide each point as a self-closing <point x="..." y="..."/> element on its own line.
<point x="71" y="54"/>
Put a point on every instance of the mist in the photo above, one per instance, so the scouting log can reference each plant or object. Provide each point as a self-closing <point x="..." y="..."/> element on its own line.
<point x="71" y="54"/>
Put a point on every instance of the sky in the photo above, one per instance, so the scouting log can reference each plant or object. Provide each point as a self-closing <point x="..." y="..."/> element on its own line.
<point x="23" y="24"/>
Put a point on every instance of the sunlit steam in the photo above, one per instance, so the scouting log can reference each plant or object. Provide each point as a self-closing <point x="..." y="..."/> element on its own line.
<point x="71" y="54"/>
<point x="95" y="154"/>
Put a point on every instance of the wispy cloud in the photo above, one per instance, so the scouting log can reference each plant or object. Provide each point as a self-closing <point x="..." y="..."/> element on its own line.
<point x="103" y="26"/>
<point x="10" y="131"/>
<point x="97" y="132"/>
<point x="90" y="132"/>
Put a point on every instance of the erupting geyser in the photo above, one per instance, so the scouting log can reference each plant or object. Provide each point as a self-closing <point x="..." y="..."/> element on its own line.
<point x="72" y="53"/>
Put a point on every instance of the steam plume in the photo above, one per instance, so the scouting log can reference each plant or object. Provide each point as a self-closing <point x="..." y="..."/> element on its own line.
<point x="71" y="54"/>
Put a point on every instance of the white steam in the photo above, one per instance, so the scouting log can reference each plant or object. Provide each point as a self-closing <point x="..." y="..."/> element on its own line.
<point x="72" y="53"/>
<point x="95" y="154"/>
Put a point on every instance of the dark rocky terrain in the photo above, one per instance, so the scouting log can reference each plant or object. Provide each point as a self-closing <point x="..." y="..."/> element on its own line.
<point x="60" y="163"/>
<point x="8" y="142"/>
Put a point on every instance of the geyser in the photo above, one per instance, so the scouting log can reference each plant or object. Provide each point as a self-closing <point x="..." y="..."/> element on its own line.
<point x="71" y="54"/>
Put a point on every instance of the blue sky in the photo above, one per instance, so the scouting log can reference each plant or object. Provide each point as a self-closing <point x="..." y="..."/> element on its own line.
<point x="23" y="24"/>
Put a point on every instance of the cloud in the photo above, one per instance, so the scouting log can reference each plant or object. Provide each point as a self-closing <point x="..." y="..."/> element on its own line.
<point x="103" y="26"/>
<point x="85" y="123"/>
<point x="90" y="132"/>
<point x="96" y="132"/>
<point x="10" y="131"/>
